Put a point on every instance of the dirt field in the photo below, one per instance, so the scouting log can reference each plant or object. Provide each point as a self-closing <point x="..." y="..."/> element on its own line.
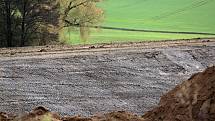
<point x="105" y="78"/>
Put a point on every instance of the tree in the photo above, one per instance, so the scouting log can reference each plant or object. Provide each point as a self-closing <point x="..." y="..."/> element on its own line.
<point x="37" y="22"/>
<point x="7" y="14"/>
<point x="2" y="28"/>
<point x="28" y="22"/>
<point x="38" y="17"/>
<point x="82" y="14"/>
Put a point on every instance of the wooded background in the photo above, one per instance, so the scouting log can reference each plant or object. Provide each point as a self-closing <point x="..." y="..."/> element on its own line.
<point x="41" y="22"/>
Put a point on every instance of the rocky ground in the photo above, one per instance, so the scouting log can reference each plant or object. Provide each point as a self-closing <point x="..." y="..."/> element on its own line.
<point x="98" y="79"/>
<point x="193" y="100"/>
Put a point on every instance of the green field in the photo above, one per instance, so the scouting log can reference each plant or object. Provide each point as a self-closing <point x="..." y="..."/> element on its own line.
<point x="162" y="15"/>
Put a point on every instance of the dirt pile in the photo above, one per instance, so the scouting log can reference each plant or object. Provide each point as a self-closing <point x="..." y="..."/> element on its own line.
<point x="193" y="100"/>
<point x="42" y="114"/>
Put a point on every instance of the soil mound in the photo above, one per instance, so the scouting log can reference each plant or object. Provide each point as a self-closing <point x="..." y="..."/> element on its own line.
<point x="45" y="115"/>
<point x="193" y="100"/>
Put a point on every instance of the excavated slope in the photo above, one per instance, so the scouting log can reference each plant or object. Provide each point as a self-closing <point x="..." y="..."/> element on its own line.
<point x="193" y="100"/>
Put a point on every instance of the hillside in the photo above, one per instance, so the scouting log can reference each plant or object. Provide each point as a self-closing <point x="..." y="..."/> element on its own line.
<point x="174" y="15"/>
<point x="162" y="15"/>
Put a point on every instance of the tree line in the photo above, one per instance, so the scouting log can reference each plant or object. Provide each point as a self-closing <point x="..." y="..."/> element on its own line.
<point x="40" y="22"/>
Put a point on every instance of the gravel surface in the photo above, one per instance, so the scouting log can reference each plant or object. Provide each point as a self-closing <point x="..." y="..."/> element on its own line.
<point x="130" y="79"/>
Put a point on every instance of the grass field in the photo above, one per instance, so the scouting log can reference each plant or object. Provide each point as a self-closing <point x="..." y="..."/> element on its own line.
<point x="162" y="15"/>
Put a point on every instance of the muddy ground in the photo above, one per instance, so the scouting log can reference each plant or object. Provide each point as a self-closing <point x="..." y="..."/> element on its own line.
<point x="73" y="81"/>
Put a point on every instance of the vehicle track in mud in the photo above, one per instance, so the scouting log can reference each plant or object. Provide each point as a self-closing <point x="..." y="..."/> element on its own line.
<point x="99" y="80"/>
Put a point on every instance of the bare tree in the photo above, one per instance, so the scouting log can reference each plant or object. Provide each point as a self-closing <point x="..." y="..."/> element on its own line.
<point x="37" y="18"/>
<point x="7" y="13"/>
<point x="28" y="22"/>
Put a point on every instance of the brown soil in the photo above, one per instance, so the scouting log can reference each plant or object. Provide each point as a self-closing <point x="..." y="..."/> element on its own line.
<point x="193" y="100"/>
<point x="42" y="114"/>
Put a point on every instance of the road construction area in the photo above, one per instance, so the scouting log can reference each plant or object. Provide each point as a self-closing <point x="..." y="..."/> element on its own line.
<point x="98" y="79"/>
